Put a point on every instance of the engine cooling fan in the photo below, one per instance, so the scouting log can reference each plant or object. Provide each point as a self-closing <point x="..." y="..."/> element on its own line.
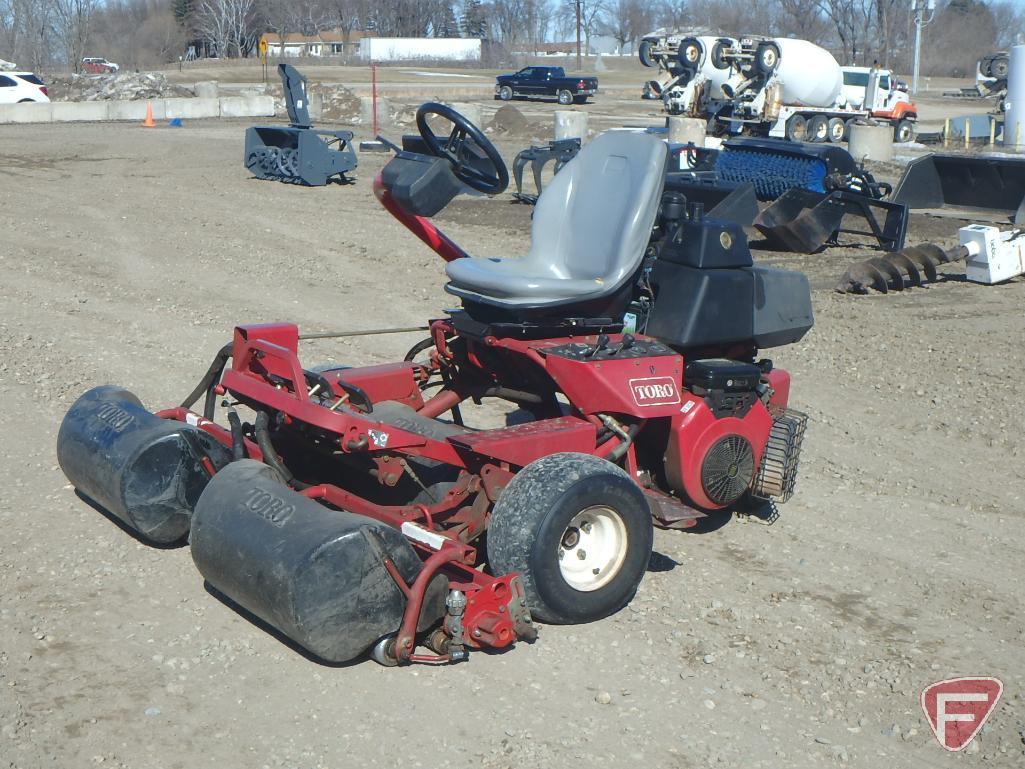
<point x="728" y="469"/>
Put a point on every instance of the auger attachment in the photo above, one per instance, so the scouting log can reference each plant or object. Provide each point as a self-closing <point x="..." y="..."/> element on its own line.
<point x="896" y="271"/>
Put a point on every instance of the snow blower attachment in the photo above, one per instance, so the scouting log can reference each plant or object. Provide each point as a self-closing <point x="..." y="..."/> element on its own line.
<point x="992" y="257"/>
<point x="963" y="186"/>
<point x="560" y="152"/>
<point x="340" y="506"/>
<point x="298" y="154"/>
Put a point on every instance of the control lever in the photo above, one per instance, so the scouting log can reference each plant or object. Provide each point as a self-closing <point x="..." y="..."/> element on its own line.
<point x="626" y="344"/>
<point x="601" y="344"/>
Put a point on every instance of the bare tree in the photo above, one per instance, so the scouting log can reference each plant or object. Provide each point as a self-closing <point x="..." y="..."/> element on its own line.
<point x="72" y="19"/>
<point x="851" y="19"/>
<point x="227" y="25"/>
<point x="286" y="16"/>
<point x="626" y="20"/>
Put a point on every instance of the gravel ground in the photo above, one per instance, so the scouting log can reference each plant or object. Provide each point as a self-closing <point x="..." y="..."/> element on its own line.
<point x="128" y="258"/>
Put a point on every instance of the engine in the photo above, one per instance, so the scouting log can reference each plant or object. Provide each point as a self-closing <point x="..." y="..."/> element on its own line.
<point x="733" y="435"/>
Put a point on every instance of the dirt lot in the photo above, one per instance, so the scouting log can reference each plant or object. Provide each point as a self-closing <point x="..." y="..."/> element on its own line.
<point x="127" y="257"/>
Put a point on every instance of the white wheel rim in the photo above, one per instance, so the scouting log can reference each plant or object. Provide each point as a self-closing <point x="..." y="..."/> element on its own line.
<point x="692" y="54"/>
<point x="592" y="548"/>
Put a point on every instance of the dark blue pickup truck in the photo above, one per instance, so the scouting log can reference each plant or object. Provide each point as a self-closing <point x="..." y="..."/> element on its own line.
<point x="545" y="82"/>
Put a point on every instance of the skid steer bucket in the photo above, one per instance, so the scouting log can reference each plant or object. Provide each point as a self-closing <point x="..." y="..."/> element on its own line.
<point x="298" y="153"/>
<point x="804" y="221"/>
<point x="964" y="185"/>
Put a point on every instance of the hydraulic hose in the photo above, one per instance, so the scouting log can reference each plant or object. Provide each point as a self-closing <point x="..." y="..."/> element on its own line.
<point x="206" y="384"/>
<point x="238" y="445"/>
<point x="270" y="456"/>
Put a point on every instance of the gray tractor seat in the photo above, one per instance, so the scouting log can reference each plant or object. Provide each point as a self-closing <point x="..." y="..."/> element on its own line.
<point x="590" y="230"/>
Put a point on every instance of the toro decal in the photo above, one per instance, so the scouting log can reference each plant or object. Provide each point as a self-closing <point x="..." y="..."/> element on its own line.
<point x="654" y="391"/>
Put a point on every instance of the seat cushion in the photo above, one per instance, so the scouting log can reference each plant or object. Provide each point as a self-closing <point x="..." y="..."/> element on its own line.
<point x="514" y="278"/>
<point x="589" y="232"/>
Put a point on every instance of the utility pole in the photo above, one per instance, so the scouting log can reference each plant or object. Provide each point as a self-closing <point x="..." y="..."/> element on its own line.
<point x="578" y="3"/>
<point x="920" y="8"/>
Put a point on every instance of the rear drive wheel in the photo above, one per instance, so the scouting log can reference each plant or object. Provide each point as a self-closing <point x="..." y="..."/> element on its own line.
<point x="565" y="97"/>
<point x="718" y="61"/>
<point x="578" y="531"/>
<point x="766" y="58"/>
<point x="644" y="53"/>
<point x="505" y="93"/>
<point x="904" y="131"/>
<point x="689" y="53"/>
<point x="797" y="128"/>
<point x="847" y="129"/>
<point x="818" y="128"/>
<point x="836" y="131"/>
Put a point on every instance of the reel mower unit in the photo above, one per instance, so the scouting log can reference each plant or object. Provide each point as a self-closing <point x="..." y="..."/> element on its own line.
<point x="360" y="510"/>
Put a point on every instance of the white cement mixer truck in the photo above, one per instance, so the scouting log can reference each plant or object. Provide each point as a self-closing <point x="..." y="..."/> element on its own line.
<point x="792" y="88"/>
<point x="691" y="69"/>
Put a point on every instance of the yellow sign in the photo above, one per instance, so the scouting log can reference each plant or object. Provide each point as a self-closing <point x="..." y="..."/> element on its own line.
<point x="263" y="47"/>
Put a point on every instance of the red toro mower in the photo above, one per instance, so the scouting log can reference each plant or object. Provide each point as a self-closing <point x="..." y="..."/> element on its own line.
<point x="360" y="509"/>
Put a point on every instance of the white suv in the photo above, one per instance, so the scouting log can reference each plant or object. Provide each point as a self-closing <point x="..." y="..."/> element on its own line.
<point x="18" y="87"/>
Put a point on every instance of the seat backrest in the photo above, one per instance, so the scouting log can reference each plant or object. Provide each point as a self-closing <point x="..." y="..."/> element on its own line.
<point x="594" y="220"/>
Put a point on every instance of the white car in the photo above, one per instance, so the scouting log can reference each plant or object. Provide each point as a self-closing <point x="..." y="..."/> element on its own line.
<point x="16" y="87"/>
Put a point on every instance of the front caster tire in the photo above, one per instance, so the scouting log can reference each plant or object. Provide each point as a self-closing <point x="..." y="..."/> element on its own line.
<point x="579" y="533"/>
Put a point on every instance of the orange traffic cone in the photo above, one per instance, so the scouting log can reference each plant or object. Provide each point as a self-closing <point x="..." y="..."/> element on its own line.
<point x="148" y="122"/>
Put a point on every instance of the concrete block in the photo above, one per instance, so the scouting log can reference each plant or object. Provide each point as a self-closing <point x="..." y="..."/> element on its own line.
<point x="570" y="124"/>
<point x="34" y="112"/>
<point x="686" y="130"/>
<point x="246" y="106"/>
<point x="207" y="89"/>
<point x="77" y="111"/>
<point x="191" y="109"/>
<point x="315" y="106"/>
<point x="133" y="110"/>
<point x="871" y="142"/>
<point x="366" y="111"/>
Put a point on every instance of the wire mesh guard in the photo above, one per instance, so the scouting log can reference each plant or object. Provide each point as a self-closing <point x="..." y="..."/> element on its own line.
<point x="778" y="473"/>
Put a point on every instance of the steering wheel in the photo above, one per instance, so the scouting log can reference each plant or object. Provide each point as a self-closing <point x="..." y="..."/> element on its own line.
<point x="485" y="172"/>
